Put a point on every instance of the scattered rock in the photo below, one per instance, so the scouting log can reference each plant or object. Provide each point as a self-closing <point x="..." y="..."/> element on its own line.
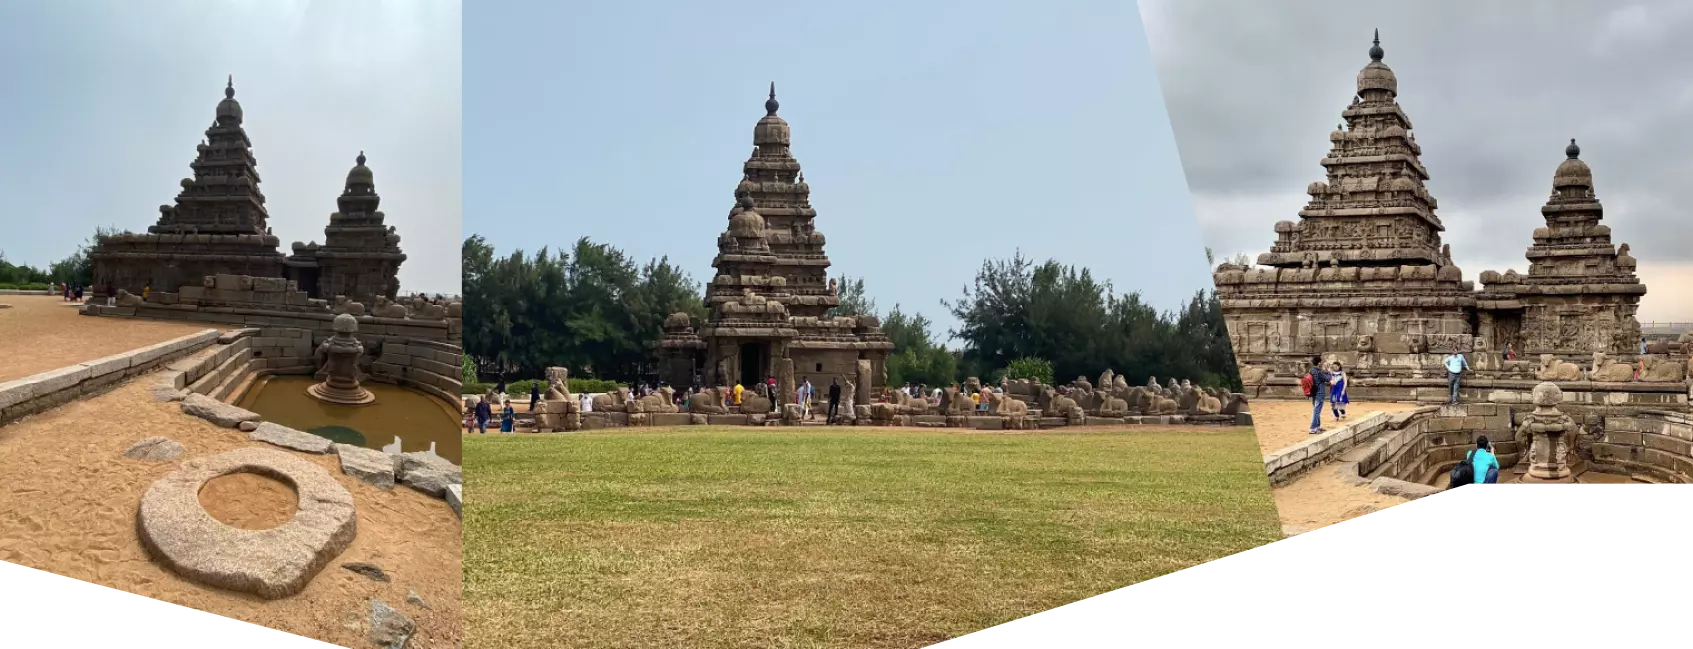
<point x="455" y="497"/>
<point x="154" y="449"/>
<point x="217" y="412"/>
<point x="414" y="599"/>
<point x="427" y="473"/>
<point x="1293" y="530"/>
<point x="248" y="426"/>
<point x="167" y="392"/>
<point x="286" y="437"/>
<point x="273" y="563"/>
<point x="389" y="629"/>
<point x="1403" y="489"/>
<point x="370" y="570"/>
<point x="369" y="465"/>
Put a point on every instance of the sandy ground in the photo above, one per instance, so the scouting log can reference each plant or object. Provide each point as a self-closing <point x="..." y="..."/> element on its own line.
<point x="1282" y="423"/>
<point x="43" y="332"/>
<point x="69" y="502"/>
<point x="1322" y="497"/>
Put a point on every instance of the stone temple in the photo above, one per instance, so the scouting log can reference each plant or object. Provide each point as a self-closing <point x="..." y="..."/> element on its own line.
<point x="360" y="257"/>
<point x="219" y="226"/>
<point x="1363" y="277"/>
<point x="769" y="299"/>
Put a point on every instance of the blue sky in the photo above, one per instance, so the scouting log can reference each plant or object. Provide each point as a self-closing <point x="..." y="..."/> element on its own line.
<point x="104" y="102"/>
<point x="934" y="135"/>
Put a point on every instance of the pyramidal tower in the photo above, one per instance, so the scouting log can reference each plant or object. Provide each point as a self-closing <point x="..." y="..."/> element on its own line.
<point x="770" y="295"/>
<point x="1363" y="270"/>
<point x="1581" y="293"/>
<point x="218" y="224"/>
<point x="360" y="257"/>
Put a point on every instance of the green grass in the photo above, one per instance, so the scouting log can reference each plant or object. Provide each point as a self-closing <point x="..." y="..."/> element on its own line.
<point x="713" y="537"/>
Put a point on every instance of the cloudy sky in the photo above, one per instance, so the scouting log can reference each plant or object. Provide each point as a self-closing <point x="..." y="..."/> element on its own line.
<point x="1495" y="91"/>
<point x="104" y="102"/>
<point x="934" y="135"/>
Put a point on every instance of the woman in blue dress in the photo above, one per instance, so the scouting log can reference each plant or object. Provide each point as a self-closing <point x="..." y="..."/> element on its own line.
<point x="1338" y="398"/>
<point x="508" y="418"/>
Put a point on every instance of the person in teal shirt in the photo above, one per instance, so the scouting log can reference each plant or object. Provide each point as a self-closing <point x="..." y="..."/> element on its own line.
<point x="1485" y="463"/>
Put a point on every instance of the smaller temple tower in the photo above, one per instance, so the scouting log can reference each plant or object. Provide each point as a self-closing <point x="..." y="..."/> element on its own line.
<point x="360" y="257"/>
<point x="1580" y="294"/>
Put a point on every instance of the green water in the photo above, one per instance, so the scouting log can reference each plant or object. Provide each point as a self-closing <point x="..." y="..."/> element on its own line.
<point x="403" y="417"/>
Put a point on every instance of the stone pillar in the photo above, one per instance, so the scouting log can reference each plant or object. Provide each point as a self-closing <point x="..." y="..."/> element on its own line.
<point x="785" y="381"/>
<point x="863" y="382"/>
<point x="1549" y="434"/>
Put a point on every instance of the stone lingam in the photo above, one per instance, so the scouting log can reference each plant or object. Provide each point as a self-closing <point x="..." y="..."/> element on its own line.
<point x="338" y="366"/>
<point x="1549" y="435"/>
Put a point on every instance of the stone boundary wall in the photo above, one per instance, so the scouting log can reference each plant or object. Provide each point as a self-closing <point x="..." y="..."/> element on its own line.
<point x="1655" y="443"/>
<point x="1416" y="445"/>
<point x="602" y="420"/>
<point x="33" y="394"/>
<point x="242" y="301"/>
<point x="1283" y="465"/>
<point x="254" y="352"/>
<point x="1635" y="395"/>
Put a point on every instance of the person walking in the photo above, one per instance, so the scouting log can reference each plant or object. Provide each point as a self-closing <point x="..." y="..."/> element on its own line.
<point x="1338" y="395"/>
<point x="1456" y="365"/>
<point x="1485" y="462"/>
<point x="484" y="412"/>
<point x="834" y="399"/>
<point x="1315" y="383"/>
<point x="738" y="390"/>
<point x="508" y="418"/>
<point x="805" y="399"/>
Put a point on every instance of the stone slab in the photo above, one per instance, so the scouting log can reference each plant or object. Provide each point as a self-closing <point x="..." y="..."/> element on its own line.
<point x="369" y="465"/>
<point x="217" y="412"/>
<point x="279" y="435"/>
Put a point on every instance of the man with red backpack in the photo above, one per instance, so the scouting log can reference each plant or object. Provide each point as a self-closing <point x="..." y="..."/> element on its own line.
<point x="1315" y="384"/>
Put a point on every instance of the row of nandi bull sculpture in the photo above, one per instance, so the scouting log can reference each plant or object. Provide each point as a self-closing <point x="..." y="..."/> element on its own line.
<point x="1113" y="397"/>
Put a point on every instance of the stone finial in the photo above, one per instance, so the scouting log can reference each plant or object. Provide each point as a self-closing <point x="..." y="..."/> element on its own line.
<point x="770" y="105"/>
<point x="1375" y="47"/>
<point x="1572" y="150"/>
<point x="361" y="157"/>
<point x="346" y="324"/>
<point x="229" y="90"/>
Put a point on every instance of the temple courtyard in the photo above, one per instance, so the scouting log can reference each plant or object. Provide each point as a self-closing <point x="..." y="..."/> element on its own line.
<point x="44" y="332"/>
<point x="712" y="536"/>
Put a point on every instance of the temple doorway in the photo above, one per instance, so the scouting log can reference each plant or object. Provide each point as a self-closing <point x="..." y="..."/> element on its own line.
<point x="753" y="357"/>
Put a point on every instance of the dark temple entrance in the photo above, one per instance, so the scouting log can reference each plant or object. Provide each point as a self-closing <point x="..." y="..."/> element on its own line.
<point x="753" y="356"/>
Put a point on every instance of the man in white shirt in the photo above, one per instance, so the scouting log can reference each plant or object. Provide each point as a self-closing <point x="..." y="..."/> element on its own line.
<point x="1456" y="365"/>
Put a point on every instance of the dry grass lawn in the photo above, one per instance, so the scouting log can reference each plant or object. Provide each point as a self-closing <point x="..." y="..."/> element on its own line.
<point x="756" y="537"/>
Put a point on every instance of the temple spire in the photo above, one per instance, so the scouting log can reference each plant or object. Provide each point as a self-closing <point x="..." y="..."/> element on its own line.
<point x="770" y="105"/>
<point x="1572" y="150"/>
<point x="1375" y="47"/>
<point x="229" y="90"/>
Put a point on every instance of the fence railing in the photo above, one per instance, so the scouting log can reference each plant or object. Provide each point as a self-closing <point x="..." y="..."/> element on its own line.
<point x="1665" y="328"/>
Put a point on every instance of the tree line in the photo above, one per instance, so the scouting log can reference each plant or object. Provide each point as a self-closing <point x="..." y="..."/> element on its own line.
<point x="75" y="269"/>
<point x="598" y="311"/>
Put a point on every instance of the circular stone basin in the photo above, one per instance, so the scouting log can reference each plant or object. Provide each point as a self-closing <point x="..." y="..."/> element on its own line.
<point x="273" y="563"/>
<point x="249" y="501"/>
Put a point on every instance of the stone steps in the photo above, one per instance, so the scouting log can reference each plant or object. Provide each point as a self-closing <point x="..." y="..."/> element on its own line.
<point x="230" y="366"/>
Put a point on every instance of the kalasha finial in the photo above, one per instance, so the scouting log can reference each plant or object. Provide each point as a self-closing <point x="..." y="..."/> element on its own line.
<point x="1572" y="150"/>
<point x="1375" y="47"/>
<point x="361" y="158"/>
<point x="229" y="90"/>
<point x="770" y="104"/>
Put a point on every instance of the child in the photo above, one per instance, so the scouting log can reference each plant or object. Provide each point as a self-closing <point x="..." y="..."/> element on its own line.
<point x="1338" y="397"/>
